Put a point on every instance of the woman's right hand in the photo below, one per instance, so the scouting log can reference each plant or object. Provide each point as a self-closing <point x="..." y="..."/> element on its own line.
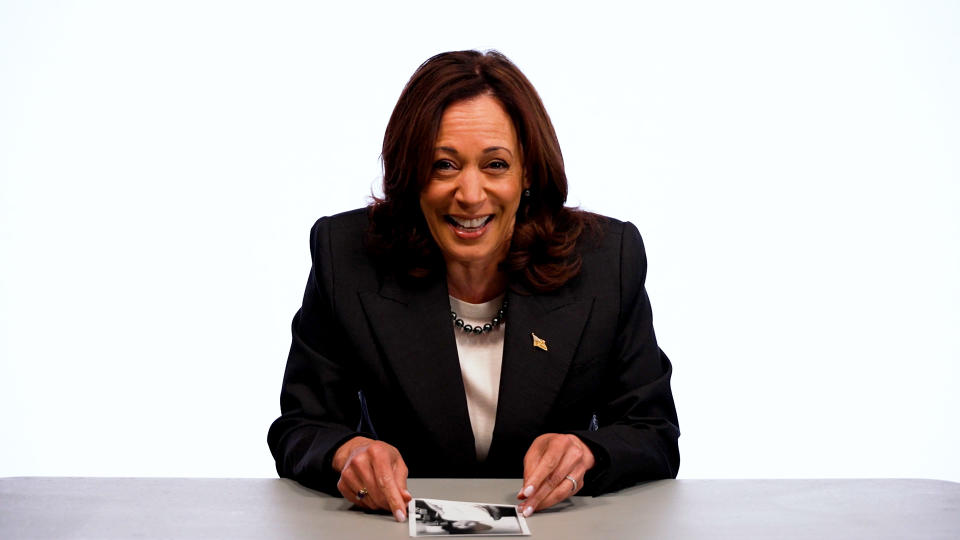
<point x="376" y="468"/>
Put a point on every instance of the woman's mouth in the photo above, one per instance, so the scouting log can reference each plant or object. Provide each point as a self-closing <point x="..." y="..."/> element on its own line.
<point x="468" y="227"/>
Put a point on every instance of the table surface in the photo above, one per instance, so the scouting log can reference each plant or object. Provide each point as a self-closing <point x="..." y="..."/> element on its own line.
<point x="105" y="508"/>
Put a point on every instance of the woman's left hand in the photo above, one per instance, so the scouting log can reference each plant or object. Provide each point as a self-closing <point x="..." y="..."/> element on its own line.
<point x="552" y="460"/>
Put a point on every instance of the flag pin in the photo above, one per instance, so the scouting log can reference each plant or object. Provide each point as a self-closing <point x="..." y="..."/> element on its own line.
<point x="539" y="343"/>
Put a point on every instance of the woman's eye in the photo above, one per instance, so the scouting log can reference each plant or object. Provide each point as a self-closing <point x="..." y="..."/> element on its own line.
<point x="499" y="164"/>
<point x="442" y="165"/>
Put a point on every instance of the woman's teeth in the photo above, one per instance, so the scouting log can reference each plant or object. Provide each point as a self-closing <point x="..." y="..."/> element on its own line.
<point x="469" y="223"/>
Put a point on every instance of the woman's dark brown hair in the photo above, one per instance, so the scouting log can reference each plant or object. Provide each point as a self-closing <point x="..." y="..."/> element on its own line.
<point x="542" y="252"/>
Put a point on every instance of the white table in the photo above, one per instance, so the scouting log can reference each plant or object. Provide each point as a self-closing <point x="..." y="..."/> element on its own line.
<point x="106" y="508"/>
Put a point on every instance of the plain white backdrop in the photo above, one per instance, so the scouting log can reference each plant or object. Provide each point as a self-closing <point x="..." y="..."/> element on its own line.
<point x="793" y="167"/>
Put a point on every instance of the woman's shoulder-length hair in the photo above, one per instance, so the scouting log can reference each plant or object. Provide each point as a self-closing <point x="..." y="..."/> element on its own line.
<point x="543" y="254"/>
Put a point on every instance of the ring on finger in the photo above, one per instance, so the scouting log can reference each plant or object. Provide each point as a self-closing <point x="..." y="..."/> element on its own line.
<point x="574" y="481"/>
<point x="362" y="493"/>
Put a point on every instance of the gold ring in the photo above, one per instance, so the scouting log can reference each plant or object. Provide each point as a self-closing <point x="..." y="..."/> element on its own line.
<point x="362" y="493"/>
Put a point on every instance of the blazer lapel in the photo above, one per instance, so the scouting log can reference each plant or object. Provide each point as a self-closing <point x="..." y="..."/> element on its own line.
<point x="531" y="377"/>
<point x="414" y="332"/>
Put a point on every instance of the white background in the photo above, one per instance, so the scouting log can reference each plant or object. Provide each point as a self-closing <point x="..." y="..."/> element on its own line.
<point x="793" y="168"/>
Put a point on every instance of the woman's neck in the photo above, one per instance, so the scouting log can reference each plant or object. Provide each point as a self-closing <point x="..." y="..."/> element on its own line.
<point x="475" y="284"/>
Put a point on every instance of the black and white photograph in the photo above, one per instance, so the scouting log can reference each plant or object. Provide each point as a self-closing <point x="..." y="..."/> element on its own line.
<point x="434" y="517"/>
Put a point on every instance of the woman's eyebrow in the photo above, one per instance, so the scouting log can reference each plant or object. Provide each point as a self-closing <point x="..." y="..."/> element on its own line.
<point x="495" y="148"/>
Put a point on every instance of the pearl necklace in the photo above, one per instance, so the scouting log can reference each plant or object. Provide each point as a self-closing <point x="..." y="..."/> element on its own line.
<point x="477" y="330"/>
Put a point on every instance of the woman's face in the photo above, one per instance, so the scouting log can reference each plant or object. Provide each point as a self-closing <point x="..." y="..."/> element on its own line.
<point x="470" y="202"/>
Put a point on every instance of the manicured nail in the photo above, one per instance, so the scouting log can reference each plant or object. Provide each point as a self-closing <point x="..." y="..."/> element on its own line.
<point x="528" y="491"/>
<point x="399" y="515"/>
<point x="407" y="493"/>
<point x="527" y="511"/>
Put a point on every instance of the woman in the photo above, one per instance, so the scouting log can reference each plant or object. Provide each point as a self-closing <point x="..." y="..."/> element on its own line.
<point x="468" y="324"/>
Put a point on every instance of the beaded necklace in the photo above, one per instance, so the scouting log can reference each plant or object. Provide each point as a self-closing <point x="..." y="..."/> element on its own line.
<point x="486" y="328"/>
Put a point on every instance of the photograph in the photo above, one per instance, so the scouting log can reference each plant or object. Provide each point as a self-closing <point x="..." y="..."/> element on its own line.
<point x="433" y="517"/>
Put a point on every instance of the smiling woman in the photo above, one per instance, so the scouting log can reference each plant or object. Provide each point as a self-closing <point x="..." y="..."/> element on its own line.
<point x="470" y="203"/>
<point x="469" y="324"/>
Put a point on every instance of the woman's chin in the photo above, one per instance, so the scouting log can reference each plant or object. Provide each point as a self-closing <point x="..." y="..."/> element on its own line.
<point x="473" y="254"/>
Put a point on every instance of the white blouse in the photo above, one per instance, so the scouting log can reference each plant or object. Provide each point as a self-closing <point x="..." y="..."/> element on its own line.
<point x="480" y="359"/>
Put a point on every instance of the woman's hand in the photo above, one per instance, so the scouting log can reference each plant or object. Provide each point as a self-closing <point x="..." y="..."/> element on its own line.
<point x="551" y="459"/>
<point x="373" y="475"/>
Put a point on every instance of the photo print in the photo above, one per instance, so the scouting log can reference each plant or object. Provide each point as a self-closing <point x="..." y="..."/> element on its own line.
<point x="434" y="517"/>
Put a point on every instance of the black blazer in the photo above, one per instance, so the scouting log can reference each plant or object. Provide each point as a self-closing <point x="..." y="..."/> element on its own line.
<point x="373" y="354"/>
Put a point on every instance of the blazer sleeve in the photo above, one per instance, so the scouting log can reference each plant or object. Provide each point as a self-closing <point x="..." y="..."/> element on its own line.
<point x="636" y="434"/>
<point x="318" y="399"/>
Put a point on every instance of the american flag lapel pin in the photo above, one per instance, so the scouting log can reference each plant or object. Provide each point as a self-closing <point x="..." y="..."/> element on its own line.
<point x="538" y="342"/>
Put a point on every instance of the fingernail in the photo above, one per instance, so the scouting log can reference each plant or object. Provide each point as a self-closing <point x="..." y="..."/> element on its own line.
<point x="408" y="494"/>
<point x="399" y="515"/>
<point x="527" y="511"/>
<point x="528" y="491"/>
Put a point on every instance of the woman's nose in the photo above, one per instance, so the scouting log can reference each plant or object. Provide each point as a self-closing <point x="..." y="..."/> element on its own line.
<point x="470" y="190"/>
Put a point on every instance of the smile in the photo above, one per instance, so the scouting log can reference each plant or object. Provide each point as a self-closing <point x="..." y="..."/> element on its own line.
<point x="468" y="224"/>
